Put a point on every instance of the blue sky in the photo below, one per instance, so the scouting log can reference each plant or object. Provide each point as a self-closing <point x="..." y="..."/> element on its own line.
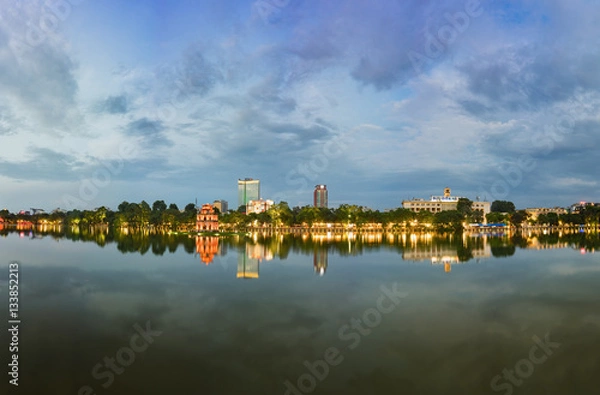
<point x="103" y="101"/>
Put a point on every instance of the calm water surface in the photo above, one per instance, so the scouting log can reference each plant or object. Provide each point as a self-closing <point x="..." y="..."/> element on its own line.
<point x="293" y="315"/>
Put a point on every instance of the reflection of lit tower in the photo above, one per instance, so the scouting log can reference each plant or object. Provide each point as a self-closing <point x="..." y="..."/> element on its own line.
<point x="207" y="220"/>
<point x="320" y="196"/>
<point x="207" y="247"/>
<point x="247" y="267"/>
<point x="320" y="258"/>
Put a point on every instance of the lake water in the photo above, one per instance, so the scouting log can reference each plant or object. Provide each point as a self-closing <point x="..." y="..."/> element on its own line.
<point x="408" y="314"/>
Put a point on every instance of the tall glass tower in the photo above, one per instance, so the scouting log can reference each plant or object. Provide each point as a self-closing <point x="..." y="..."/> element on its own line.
<point x="248" y="189"/>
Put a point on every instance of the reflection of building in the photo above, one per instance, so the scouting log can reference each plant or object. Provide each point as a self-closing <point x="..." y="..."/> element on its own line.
<point x="207" y="247"/>
<point x="259" y="251"/>
<point x="207" y="220"/>
<point x="258" y="206"/>
<point x="534" y="213"/>
<point x="248" y="189"/>
<point x="320" y="258"/>
<point x="443" y="254"/>
<point x="442" y="203"/>
<point x="320" y="196"/>
<point x="221" y="205"/>
<point x="249" y="260"/>
<point x="247" y="268"/>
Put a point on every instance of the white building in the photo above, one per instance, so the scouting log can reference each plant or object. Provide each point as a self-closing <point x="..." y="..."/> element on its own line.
<point x="258" y="206"/>
<point x="443" y="203"/>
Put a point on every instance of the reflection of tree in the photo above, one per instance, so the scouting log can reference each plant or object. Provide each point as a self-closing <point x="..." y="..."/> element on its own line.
<point x="464" y="252"/>
<point x="502" y="247"/>
<point x="463" y="247"/>
<point x="502" y="251"/>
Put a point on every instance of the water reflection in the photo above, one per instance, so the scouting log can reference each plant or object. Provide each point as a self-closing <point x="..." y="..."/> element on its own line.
<point x="438" y="249"/>
<point x="464" y="328"/>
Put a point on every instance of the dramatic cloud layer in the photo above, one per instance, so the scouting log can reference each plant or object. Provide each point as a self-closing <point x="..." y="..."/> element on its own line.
<point x="104" y="101"/>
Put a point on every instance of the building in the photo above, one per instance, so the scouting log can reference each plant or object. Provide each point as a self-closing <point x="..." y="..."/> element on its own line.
<point x="207" y="219"/>
<point x="221" y="205"/>
<point x="578" y="208"/>
<point x="534" y="213"/>
<point x="258" y="206"/>
<point x="446" y="202"/>
<point x="320" y="196"/>
<point x="248" y="189"/>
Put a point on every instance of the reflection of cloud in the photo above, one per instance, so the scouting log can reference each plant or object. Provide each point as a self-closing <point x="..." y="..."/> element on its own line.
<point x="568" y="270"/>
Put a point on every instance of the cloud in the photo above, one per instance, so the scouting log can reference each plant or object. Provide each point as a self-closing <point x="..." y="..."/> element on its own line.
<point x="237" y="95"/>
<point x="42" y="164"/>
<point x="151" y="133"/>
<point x="115" y="104"/>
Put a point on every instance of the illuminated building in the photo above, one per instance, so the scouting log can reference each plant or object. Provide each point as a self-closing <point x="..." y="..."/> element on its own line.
<point x="258" y="206"/>
<point x="207" y="220"/>
<point x="248" y="189"/>
<point x="534" y="213"/>
<point x="221" y="205"/>
<point x="207" y="248"/>
<point x="446" y="202"/>
<point x="320" y="196"/>
<point x="578" y="208"/>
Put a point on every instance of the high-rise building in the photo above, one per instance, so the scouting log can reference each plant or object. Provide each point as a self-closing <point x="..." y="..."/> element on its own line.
<point x="248" y="189"/>
<point x="320" y="196"/>
<point x="221" y="205"/>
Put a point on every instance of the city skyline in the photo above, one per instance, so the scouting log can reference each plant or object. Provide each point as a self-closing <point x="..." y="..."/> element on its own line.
<point x="380" y="101"/>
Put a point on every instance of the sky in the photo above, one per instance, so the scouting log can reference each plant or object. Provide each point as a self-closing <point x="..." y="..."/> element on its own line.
<point x="104" y="101"/>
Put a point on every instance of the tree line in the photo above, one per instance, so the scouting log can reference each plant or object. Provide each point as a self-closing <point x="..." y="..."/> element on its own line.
<point x="161" y="216"/>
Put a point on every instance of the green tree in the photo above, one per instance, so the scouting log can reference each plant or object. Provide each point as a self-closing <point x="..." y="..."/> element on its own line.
<point x="552" y="219"/>
<point x="502" y="206"/>
<point x="309" y="215"/>
<point x="465" y="207"/>
<point x="426" y="217"/>
<point x="159" y="206"/>
<point x="449" y="220"/>
<point x="518" y="217"/>
<point x="145" y="212"/>
<point x="496" y="218"/>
